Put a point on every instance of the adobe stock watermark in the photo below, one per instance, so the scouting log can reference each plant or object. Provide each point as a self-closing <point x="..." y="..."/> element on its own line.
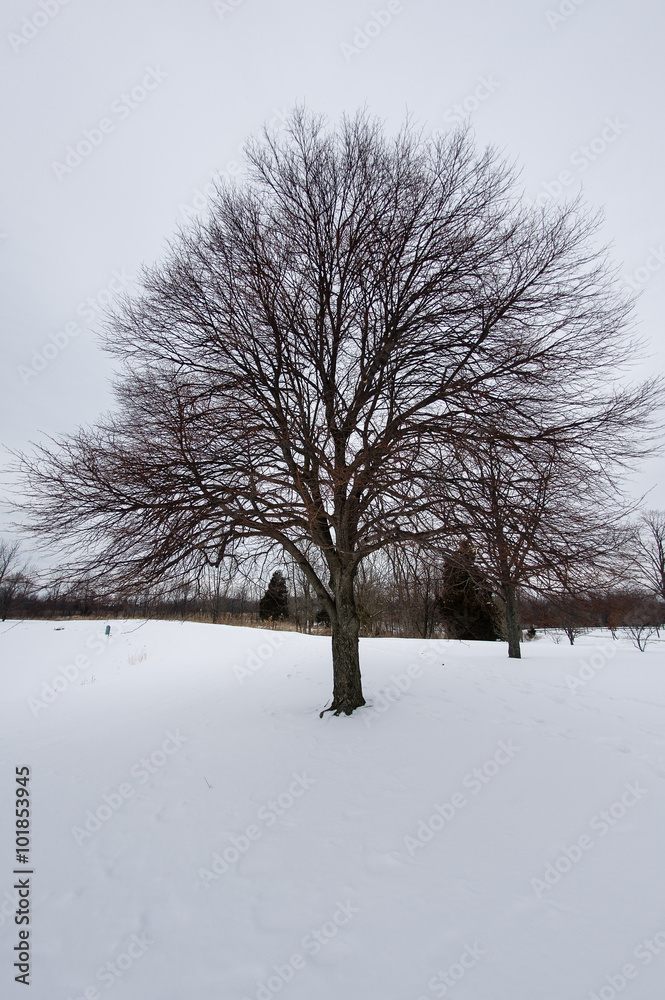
<point x="32" y="24"/>
<point x="225" y="7"/>
<point x="141" y="772"/>
<point x="134" y="949"/>
<point x="590" y="667"/>
<point x="401" y="683"/>
<point x="97" y="643"/>
<point x="446" y="979"/>
<point x="121" y="109"/>
<point x="202" y="197"/>
<point x="601" y="823"/>
<point x="312" y="943"/>
<point x="387" y="696"/>
<point x="616" y="982"/>
<point x="257" y="658"/>
<point x="563" y="12"/>
<point x="581" y="159"/>
<point x="641" y="275"/>
<point x="364" y="34"/>
<point x="266" y="817"/>
<point x="90" y="309"/>
<point x="474" y="781"/>
<point x="458" y="113"/>
<point x="8" y="906"/>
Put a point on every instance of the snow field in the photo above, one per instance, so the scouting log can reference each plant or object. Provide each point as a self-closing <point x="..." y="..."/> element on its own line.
<point x="484" y="828"/>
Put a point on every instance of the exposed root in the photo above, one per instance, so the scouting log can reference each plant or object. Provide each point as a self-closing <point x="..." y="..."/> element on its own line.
<point x="344" y="706"/>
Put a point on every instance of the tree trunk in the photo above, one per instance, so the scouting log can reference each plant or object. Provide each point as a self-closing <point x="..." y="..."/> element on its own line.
<point x="512" y="623"/>
<point x="347" y="685"/>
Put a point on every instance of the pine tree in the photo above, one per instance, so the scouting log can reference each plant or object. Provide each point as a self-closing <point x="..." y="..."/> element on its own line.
<point x="322" y="617"/>
<point x="275" y="602"/>
<point x="465" y="602"/>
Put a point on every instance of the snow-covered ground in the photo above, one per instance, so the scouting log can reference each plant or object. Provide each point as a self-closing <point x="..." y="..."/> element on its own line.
<point x="490" y="829"/>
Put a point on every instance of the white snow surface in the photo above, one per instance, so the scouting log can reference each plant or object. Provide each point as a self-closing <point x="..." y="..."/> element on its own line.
<point x="172" y="747"/>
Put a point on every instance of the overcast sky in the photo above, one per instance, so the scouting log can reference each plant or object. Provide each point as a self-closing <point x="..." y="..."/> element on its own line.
<point x="116" y="114"/>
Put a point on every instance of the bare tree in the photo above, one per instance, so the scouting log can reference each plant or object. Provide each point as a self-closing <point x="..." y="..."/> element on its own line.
<point x="649" y="547"/>
<point x="17" y="579"/>
<point x="644" y="619"/>
<point x="9" y="558"/>
<point x="300" y="369"/>
<point x="214" y="587"/>
<point x="543" y="501"/>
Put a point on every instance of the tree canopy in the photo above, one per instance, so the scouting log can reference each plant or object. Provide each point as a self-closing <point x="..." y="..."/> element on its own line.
<point x="304" y="367"/>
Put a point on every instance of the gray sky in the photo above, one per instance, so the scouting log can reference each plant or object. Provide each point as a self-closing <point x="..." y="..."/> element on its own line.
<point x="116" y="114"/>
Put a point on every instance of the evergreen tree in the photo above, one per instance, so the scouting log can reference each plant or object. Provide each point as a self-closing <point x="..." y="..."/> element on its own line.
<point x="465" y="602"/>
<point x="322" y="617"/>
<point x="275" y="602"/>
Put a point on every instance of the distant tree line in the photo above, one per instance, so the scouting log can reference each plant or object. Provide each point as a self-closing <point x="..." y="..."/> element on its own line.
<point x="417" y="592"/>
